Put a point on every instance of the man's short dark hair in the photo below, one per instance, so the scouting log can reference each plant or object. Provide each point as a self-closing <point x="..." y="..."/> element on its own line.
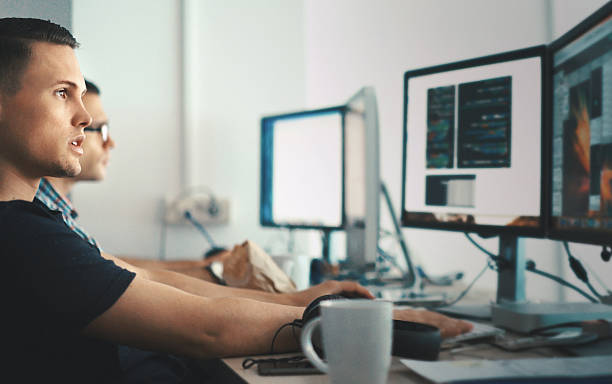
<point x="91" y="87"/>
<point x="16" y="38"/>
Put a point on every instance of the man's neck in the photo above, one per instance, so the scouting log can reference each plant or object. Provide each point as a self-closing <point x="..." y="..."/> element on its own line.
<point x="63" y="185"/>
<point x="16" y="186"/>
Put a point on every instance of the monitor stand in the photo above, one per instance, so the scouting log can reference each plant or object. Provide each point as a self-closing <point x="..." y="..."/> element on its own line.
<point x="410" y="278"/>
<point x="406" y="285"/>
<point x="325" y="243"/>
<point x="512" y="311"/>
<point x="405" y="290"/>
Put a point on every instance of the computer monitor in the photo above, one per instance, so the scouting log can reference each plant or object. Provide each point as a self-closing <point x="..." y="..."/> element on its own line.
<point x="301" y="169"/>
<point x="362" y="181"/>
<point x="579" y="163"/>
<point x="477" y="159"/>
<point x="473" y="137"/>
<point x="474" y="153"/>
<point x="581" y="141"/>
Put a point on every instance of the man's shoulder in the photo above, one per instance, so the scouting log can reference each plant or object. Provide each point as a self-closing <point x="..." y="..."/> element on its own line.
<point x="17" y="207"/>
<point x="17" y="214"/>
<point x="37" y="236"/>
<point x="22" y="207"/>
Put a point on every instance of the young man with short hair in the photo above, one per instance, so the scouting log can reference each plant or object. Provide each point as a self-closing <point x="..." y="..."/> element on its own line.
<point x="68" y="305"/>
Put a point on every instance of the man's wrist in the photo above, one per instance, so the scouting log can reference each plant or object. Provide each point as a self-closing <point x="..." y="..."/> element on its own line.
<point x="292" y="298"/>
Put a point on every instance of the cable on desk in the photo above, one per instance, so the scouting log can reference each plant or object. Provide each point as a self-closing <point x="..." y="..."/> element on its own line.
<point x="493" y="256"/>
<point x="389" y="258"/>
<point x="293" y="324"/>
<point x="579" y="270"/>
<point x="532" y="268"/>
<point x="249" y="362"/>
<point x="466" y="290"/>
<point x="200" y="227"/>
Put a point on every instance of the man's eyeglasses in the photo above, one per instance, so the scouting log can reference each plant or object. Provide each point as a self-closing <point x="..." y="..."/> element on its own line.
<point x="103" y="129"/>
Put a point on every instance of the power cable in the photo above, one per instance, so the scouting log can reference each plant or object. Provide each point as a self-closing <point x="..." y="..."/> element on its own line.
<point x="530" y="266"/>
<point x="201" y="228"/>
<point x="466" y="290"/>
<point x="579" y="270"/>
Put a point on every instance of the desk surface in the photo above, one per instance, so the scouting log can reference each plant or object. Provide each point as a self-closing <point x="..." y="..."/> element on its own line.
<point x="398" y="373"/>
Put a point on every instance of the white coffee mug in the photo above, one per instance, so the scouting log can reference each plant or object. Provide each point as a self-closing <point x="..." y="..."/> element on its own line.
<point x="356" y="340"/>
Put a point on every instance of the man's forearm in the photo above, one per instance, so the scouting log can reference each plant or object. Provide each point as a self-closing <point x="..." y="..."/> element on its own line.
<point x="193" y="268"/>
<point x="156" y="316"/>
<point x="203" y="288"/>
<point x="249" y="328"/>
<point x="173" y="265"/>
<point x="208" y="289"/>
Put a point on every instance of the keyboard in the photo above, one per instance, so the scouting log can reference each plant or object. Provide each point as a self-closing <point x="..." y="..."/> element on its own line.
<point x="480" y="331"/>
<point x="402" y="297"/>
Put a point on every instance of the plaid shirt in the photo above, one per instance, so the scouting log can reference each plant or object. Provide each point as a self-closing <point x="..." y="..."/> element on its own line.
<point x="55" y="202"/>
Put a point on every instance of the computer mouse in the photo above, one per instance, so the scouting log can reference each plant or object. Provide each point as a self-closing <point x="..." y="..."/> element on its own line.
<point x="410" y="340"/>
<point x="416" y="340"/>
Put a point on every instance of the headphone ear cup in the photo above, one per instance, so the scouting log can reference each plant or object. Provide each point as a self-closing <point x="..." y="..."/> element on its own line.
<point x="313" y="309"/>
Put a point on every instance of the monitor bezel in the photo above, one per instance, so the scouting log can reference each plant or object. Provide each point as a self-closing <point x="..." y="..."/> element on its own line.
<point x="262" y="190"/>
<point x="485" y="230"/>
<point x="587" y="236"/>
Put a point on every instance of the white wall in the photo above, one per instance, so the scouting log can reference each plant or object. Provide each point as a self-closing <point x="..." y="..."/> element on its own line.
<point x="57" y="11"/>
<point x="251" y="61"/>
<point x="133" y="56"/>
<point x="567" y="13"/>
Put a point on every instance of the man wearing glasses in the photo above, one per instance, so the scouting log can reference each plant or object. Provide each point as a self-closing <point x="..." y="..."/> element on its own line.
<point x="54" y="192"/>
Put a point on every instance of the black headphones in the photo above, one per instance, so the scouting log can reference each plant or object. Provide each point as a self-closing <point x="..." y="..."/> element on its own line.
<point x="410" y="340"/>
<point x="314" y="308"/>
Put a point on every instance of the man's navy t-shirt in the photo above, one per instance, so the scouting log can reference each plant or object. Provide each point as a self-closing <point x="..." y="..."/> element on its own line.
<point x="54" y="284"/>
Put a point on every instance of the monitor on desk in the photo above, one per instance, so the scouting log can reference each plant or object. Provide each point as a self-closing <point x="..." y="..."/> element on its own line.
<point x="579" y="163"/>
<point x="320" y="170"/>
<point x="475" y="154"/>
<point x="362" y="181"/>
<point x="473" y="136"/>
<point x="301" y="169"/>
<point x="581" y="94"/>
<point x="480" y="156"/>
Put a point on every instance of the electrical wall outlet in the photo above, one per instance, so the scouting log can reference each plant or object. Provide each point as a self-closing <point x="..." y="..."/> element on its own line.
<point x="202" y="208"/>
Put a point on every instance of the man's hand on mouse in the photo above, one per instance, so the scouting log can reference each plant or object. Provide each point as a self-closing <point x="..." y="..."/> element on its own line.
<point x="350" y="289"/>
<point x="448" y="327"/>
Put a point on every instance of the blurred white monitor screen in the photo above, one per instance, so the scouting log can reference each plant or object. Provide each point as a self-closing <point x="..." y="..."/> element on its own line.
<point x="302" y="169"/>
